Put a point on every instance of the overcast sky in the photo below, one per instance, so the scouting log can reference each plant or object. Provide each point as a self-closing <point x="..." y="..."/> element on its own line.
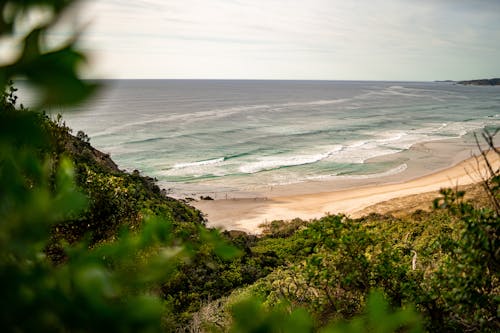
<point x="291" y="39"/>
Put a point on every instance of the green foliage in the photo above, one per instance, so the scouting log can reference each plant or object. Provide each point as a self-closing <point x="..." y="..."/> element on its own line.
<point x="111" y="232"/>
<point x="38" y="296"/>
<point x="251" y="317"/>
<point x="111" y="262"/>
<point x="339" y="261"/>
<point x="65" y="266"/>
<point x="379" y="319"/>
<point x="86" y="247"/>
<point x="80" y="135"/>
<point x="466" y="286"/>
<point x="214" y="271"/>
<point x="445" y="262"/>
<point x="449" y="199"/>
<point x="52" y="71"/>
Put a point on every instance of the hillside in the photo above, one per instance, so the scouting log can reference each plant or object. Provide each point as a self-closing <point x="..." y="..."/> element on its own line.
<point x="327" y="266"/>
<point x="431" y="259"/>
<point x="481" y="82"/>
<point x="86" y="247"/>
<point x="117" y="198"/>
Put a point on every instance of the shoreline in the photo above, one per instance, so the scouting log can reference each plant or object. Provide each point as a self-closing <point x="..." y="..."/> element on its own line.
<point x="420" y="159"/>
<point x="311" y="200"/>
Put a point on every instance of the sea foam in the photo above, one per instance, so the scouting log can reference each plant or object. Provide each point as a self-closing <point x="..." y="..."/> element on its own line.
<point x="198" y="163"/>
<point x="260" y="131"/>
<point x="277" y="162"/>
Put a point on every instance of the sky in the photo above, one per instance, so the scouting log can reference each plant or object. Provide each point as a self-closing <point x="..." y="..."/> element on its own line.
<point x="401" y="40"/>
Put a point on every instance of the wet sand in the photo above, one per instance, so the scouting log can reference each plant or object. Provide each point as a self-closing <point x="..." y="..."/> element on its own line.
<point x="309" y="200"/>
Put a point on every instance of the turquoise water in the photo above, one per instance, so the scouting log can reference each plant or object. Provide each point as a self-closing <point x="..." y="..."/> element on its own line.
<point x="190" y="133"/>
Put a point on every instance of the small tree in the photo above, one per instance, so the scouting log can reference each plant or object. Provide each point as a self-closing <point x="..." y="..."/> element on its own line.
<point x="466" y="287"/>
<point x="82" y="136"/>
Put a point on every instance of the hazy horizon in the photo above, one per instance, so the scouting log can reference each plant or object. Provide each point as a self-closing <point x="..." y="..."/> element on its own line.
<point x="305" y="80"/>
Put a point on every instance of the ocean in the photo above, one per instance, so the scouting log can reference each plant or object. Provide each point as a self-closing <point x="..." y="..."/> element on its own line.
<point x="232" y="136"/>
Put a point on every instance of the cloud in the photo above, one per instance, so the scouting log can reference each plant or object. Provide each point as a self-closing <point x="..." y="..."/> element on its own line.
<point x="291" y="39"/>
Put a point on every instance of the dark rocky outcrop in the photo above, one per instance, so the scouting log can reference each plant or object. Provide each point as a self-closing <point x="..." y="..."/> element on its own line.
<point x="482" y="82"/>
<point x="83" y="152"/>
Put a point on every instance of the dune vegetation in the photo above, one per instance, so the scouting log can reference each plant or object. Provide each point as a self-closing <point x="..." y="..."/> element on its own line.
<point x="88" y="247"/>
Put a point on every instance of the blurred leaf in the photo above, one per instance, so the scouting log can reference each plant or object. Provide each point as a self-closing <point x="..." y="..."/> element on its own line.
<point x="379" y="319"/>
<point x="21" y="128"/>
<point x="31" y="51"/>
<point x="95" y="282"/>
<point x="55" y="74"/>
<point x="220" y="246"/>
<point x="250" y="316"/>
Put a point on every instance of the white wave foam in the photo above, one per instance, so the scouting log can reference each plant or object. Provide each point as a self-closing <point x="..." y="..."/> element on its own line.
<point x="394" y="91"/>
<point x="443" y="125"/>
<point x="181" y="117"/>
<point x="356" y="152"/>
<point x="453" y="129"/>
<point x="390" y="142"/>
<point x="390" y="172"/>
<point x="437" y="95"/>
<point x="391" y="137"/>
<point x="318" y="102"/>
<point x="198" y="163"/>
<point x="208" y="115"/>
<point x="274" y="162"/>
<point x="359" y="151"/>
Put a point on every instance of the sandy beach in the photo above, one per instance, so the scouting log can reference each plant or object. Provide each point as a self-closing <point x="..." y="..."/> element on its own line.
<point x="247" y="214"/>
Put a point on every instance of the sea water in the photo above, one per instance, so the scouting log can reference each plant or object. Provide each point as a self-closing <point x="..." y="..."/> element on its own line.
<point x="199" y="136"/>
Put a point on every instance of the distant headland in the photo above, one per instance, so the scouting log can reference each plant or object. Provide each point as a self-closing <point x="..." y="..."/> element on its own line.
<point x="481" y="82"/>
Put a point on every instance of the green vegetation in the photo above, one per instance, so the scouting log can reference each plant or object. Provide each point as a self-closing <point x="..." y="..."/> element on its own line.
<point x="440" y="264"/>
<point x="87" y="247"/>
<point x="66" y="204"/>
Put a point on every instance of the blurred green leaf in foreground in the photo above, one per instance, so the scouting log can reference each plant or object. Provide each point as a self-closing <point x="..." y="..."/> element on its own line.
<point x="52" y="71"/>
<point x="110" y="285"/>
<point x="108" y="288"/>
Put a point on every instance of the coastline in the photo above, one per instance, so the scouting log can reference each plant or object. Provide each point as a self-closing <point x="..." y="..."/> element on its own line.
<point x="314" y="199"/>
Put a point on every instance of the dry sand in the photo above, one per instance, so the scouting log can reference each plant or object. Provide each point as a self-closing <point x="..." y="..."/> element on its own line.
<point x="247" y="214"/>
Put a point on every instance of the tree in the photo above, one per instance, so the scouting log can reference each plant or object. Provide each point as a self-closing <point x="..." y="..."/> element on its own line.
<point x="465" y="288"/>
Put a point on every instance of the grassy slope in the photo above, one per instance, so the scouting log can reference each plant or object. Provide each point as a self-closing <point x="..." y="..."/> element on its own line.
<point x="118" y="200"/>
<point x="327" y="265"/>
<point x="330" y="264"/>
